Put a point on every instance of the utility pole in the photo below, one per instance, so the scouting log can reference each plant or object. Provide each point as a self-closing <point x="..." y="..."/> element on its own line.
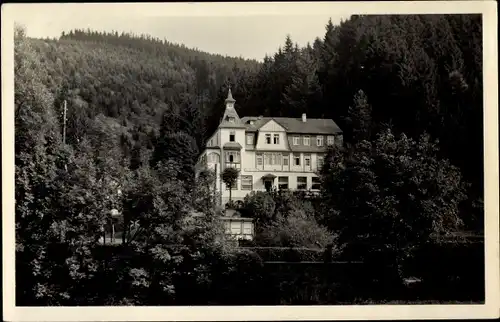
<point x="215" y="185"/>
<point x="64" y="122"/>
<point x="64" y="132"/>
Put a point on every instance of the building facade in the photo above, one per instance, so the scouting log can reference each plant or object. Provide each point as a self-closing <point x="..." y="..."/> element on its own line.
<point x="269" y="152"/>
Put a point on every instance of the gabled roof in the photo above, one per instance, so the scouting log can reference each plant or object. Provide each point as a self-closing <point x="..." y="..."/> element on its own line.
<point x="294" y="125"/>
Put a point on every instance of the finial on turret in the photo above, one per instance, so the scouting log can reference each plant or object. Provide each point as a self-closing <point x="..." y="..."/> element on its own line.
<point x="230" y="96"/>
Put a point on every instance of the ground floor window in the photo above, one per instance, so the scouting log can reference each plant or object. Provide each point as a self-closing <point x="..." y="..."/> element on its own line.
<point x="315" y="183"/>
<point x="246" y="182"/>
<point x="302" y="183"/>
<point x="235" y="227"/>
<point x="247" y="228"/>
<point x="283" y="183"/>
<point x="235" y="186"/>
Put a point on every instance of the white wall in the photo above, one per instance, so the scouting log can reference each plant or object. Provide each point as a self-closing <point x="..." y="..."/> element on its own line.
<point x="272" y="128"/>
<point x="239" y="133"/>
<point x="248" y="161"/>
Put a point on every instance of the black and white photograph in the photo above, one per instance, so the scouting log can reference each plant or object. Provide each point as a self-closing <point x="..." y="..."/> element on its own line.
<point x="250" y="161"/>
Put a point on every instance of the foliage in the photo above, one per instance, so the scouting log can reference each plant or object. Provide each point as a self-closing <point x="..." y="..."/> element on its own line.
<point x="284" y="220"/>
<point x="295" y="230"/>
<point x="359" y="117"/>
<point x="260" y="206"/>
<point x="138" y="113"/>
<point x="314" y="254"/>
<point x="393" y="193"/>
<point x="229" y="176"/>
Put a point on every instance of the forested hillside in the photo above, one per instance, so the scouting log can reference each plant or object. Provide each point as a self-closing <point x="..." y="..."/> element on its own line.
<point x="406" y="90"/>
<point x="133" y="81"/>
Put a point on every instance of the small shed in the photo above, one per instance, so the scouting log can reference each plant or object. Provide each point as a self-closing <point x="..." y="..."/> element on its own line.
<point x="237" y="226"/>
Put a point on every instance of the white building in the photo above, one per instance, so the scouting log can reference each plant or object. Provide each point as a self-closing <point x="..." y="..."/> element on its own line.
<point x="270" y="152"/>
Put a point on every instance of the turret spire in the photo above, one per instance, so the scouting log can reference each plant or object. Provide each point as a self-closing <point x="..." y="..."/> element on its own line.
<point x="230" y="96"/>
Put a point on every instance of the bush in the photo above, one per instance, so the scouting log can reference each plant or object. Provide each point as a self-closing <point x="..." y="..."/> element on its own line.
<point x="260" y="206"/>
<point x="284" y="254"/>
<point x="295" y="230"/>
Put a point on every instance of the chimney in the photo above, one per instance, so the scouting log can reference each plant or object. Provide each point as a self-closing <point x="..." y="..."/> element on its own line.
<point x="304" y="118"/>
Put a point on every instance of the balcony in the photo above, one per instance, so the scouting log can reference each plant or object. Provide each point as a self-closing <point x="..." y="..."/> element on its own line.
<point x="233" y="165"/>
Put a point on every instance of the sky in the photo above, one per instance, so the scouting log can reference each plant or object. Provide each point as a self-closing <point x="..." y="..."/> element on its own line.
<point x="234" y="29"/>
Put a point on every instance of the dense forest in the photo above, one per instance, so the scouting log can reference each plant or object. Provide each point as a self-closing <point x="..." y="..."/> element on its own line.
<point x="406" y="90"/>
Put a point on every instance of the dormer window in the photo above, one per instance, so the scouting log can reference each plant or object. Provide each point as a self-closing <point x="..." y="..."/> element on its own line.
<point x="231" y="119"/>
<point x="276" y="139"/>
<point x="232" y="136"/>
<point x="307" y="140"/>
<point x="268" y="138"/>
<point x="249" y="139"/>
<point x="251" y="122"/>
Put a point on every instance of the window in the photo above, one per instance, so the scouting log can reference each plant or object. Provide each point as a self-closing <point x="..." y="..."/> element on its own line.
<point x="307" y="140"/>
<point x="307" y="160"/>
<point x="296" y="140"/>
<point x="213" y="157"/>
<point x="235" y="228"/>
<point x="302" y="183"/>
<point x="319" y="140"/>
<point x="247" y="228"/>
<point x="232" y="156"/>
<point x="268" y="138"/>
<point x="227" y="226"/>
<point x="285" y="159"/>
<point x="276" y="139"/>
<point x="315" y="183"/>
<point x="283" y="183"/>
<point x="276" y="158"/>
<point x="320" y="161"/>
<point x="267" y="159"/>
<point x="232" y="136"/>
<point x="329" y="140"/>
<point x="235" y="185"/>
<point x="270" y="158"/>
<point x="259" y="158"/>
<point x="246" y="182"/>
<point x="231" y="119"/>
<point x="296" y="159"/>
<point x="249" y="138"/>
